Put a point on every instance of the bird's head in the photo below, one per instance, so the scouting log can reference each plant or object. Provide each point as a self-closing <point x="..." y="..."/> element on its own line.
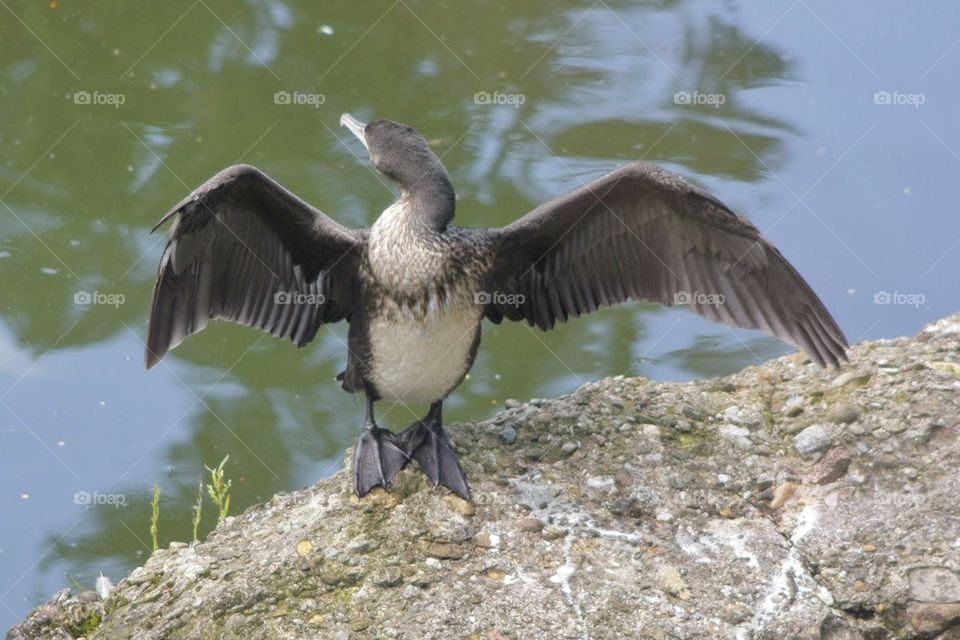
<point x="402" y="155"/>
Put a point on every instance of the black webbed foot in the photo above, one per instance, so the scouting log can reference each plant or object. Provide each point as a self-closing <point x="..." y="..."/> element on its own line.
<point x="378" y="458"/>
<point x="428" y="444"/>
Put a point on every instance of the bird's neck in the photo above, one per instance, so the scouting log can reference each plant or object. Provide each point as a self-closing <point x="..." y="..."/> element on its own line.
<point x="429" y="203"/>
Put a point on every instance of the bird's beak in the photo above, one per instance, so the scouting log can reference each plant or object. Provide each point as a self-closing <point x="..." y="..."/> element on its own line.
<point x="356" y="128"/>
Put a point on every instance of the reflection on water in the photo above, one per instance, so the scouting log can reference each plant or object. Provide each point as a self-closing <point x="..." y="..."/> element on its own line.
<point x="83" y="182"/>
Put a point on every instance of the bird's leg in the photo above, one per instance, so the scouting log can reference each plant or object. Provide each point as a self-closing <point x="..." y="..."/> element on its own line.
<point x="427" y="443"/>
<point x="378" y="457"/>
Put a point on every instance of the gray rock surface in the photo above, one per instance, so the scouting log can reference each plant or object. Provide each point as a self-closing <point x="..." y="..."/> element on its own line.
<point x="630" y="508"/>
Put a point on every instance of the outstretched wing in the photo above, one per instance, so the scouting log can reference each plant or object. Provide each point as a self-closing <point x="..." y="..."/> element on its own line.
<point x="245" y="249"/>
<point x="641" y="232"/>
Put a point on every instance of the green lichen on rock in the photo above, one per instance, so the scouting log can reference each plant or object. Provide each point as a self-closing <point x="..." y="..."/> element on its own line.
<point x="86" y="626"/>
<point x="784" y="501"/>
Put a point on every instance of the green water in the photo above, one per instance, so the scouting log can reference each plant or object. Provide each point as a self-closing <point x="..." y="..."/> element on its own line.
<point x="856" y="193"/>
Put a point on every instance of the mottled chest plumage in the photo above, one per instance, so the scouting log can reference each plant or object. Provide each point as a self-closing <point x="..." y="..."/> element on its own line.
<point x="423" y="326"/>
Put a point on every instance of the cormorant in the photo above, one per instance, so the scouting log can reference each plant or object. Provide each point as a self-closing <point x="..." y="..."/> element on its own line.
<point x="414" y="287"/>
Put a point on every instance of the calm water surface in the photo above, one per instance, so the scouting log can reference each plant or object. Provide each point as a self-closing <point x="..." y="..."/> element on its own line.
<point x="831" y="125"/>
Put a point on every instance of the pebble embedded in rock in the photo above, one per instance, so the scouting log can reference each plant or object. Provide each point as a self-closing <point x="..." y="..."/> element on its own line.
<point x="459" y="505"/>
<point x="601" y="483"/>
<point x="843" y="414"/>
<point x="672" y="581"/>
<point x="535" y="495"/>
<point x="509" y="435"/>
<point x="739" y="436"/>
<point x="733" y="414"/>
<point x="486" y="540"/>
<point x="386" y="577"/>
<point x="529" y="525"/>
<point x="934" y="584"/>
<point x="812" y="439"/>
<point x="683" y="426"/>
<point x="554" y="532"/>
<point x="782" y="493"/>
<point x="831" y="467"/>
<point x="850" y="376"/>
<point x="533" y="454"/>
<point x="443" y="551"/>
<point x="510" y="403"/>
<point x="929" y="618"/>
<point x="793" y="406"/>
<point x="650" y="430"/>
<point x="615" y="401"/>
<point x="360" y="545"/>
<point x="569" y="447"/>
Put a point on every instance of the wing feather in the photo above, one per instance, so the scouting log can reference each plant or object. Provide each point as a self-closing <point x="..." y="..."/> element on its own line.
<point x="641" y="232"/>
<point x="244" y="249"/>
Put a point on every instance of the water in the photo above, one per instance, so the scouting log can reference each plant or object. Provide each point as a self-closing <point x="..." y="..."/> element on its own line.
<point x="110" y="113"/>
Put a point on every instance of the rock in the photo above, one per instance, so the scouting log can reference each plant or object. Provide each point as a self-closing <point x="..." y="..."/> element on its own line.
<point x="843" y="414"/>
<point x="601" y="483"/>
<point x="683" y="426"/>
<point x="929" y="618"/>
<point x="510" y="403"/>
<point x="386" y="577"/>
<point x="793" y="407"/>
<point x="740" y="436"/>
<point x="953" y="633"/>
<point x="849" y="376"/>
<point x="443" y="551"/>
<point x="529" y="525"/>
<point x="951" y="368"/>
<point x="533" y="454"/>
<point x="934" y="584"/>
<point x="569" y="447"/>
<point x="812" y="439"/>
<point x="555" y="532"/>
<point x="681" y="516"/>
<point x="459" y="505"/>
<point x="509" y="435"/>
<point x="782" y="493"/>
<point x="534" y="496"/>
<point x="831" y="467"/>
<point x="486" y="540"/>
<point x="672" y="581"/>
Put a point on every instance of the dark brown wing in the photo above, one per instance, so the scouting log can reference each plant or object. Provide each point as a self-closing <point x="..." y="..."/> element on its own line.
<point x="641" y="232"/>
<point x="245" y="249"/>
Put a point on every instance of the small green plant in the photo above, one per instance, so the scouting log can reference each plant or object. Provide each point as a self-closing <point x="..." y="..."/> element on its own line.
<point x="155" y="517"/>
<point x="86" y="626"/>
<point x="198" y="512"/>
<point x="219" y="489"/>
<point x="76" y="584"/>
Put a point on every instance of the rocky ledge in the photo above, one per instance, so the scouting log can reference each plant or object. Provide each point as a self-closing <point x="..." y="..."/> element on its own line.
<point x="784" y="501"/>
